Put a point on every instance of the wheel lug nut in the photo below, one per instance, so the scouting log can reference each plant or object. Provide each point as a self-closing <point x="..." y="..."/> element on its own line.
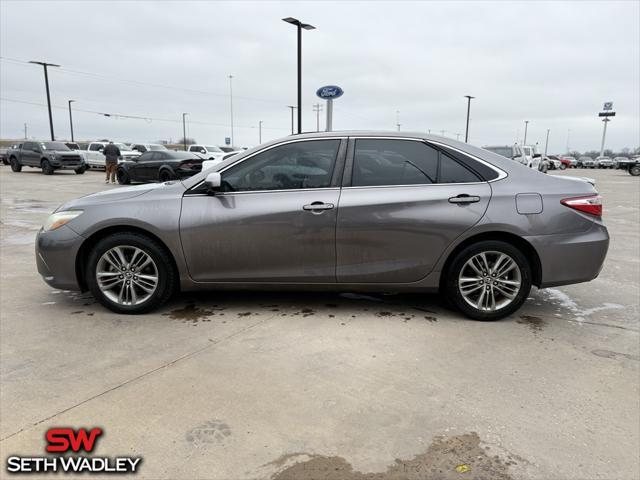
<point x="121" y="276"/>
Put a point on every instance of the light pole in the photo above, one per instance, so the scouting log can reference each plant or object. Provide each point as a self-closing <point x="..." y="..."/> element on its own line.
<point x="546" y="143"/>
<point x="184" y="131"/>
<point x="300" y="26"/>
<point x="398" y="119"/>
<point x="568" y="136"/>
<point x="25" y="131"/>
<point x="231" y="104"/>
<point x="292" y="109"/>
<point x="46" y="82"/>
<point x="260" y="132"/>
<point x="526" y="125"/>
<point x="71" y="119"/>
<point x="466" y="132"/>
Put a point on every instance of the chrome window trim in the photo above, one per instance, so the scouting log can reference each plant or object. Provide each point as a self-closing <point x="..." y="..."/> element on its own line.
<point x="249" y="192"/>
<point x="295" y="140"/>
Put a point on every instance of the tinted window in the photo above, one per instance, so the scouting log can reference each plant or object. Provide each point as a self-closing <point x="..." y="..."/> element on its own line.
<point x="94" y="147"/>
<point x="452" y="172"/>
<point x="145" y="157"/>
<point x="28" y="146"/>
<point x="482" y="171"/>
<point x="393" y="162"/>
<point x="307" y="164"/>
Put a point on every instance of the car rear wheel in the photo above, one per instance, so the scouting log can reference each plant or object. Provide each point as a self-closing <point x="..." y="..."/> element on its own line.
<point x="123" y="177"/>
<point x="635" y="170"/>
<point x="47" y="169"/>
<point x="488" y="280"/>
<point x="130" y="273"/>
<point x="15" y="165"/>
<point x="165" y="176"/>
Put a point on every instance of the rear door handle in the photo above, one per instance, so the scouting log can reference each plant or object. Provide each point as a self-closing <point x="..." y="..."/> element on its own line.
<point x="318" y="206"/>
<point x="464" y="198"/>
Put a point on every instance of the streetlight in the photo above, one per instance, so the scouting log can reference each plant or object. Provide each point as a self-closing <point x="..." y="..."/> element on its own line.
<point x="71" y="119"/>
<point x="466" y="132"/>
<point x="398" y="119"/>
<point x="184" y="131"/>
<point x="300" y="26"/>
<point x="231" y="104"/>
<point x="546" y="143"/>
<point x="526" y="125"/>
<point x="46" y="82"/>
<point x="260" y="132"/>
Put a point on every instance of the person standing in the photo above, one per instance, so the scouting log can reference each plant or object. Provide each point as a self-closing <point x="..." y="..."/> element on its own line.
<point x="111" y="153"/>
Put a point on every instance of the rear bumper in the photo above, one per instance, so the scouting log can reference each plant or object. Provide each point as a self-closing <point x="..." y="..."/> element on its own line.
<point x="56" y="253"/>
<point x="571" y="258"/>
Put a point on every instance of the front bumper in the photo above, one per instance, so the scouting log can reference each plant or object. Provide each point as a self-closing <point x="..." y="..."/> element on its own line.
<point x="56" y="253"/>
<point x="571" y="258"/>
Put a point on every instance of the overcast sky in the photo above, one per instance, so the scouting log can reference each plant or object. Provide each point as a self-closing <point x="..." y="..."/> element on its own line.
<point x="552" y="63"/>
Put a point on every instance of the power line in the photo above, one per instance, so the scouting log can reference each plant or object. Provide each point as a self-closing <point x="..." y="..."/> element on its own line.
<point x="134" y="117"/>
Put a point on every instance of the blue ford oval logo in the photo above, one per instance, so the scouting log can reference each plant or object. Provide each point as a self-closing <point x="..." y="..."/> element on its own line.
<point x="330" y="91"/>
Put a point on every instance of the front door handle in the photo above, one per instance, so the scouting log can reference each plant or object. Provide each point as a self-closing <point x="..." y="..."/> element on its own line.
<point x="464" y="198"/>
<point x="317" y="207"/>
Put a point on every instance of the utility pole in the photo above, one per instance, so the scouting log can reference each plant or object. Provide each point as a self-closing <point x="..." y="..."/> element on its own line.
<point x="466" y="132"/>
<point x="71" y="119"/>
<point x="546" y="143"/>
<point x="300" y="26"/>
<point x="568" y="136"/>
<point x="526" y="125"/>
<point x="184" y="131"/>
<point x="292" y="109"/>
<point x="398" y="119"/>
<point x="25" y="131"/>
<point x="46" y="82"/>
<point x="260" y="132"/>
<point x="230" y="105"/>
<point x="458" y="136"/>
<point x="317" y="108"/>
<point x="443" y="132"/>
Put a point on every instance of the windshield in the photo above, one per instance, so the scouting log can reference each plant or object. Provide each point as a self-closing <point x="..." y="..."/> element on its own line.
<point x="54" y="146"/>
<point x="122" y="147"/>
<point x="212" y="149"/>
<point x="157" y="147"/>
<point x="226" y="149"/>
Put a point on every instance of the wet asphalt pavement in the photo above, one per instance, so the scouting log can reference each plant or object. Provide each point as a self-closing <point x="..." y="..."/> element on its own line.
<point x="315" y="385"/>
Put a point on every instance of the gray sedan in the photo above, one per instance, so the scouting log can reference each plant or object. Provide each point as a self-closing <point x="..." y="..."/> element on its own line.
<point x="343" y="211"/>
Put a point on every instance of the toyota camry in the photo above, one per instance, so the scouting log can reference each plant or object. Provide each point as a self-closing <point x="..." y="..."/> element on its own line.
<point x="342" y="211"/>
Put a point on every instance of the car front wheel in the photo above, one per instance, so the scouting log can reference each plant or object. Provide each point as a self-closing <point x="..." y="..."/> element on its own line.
<point x="635" y="171"/>
<point x="130" y="273"/>
<point x="488" y="280"/>
<point x="47" y="169"/>
<point x="15" y="165"/>
<point x="123" y="177"/>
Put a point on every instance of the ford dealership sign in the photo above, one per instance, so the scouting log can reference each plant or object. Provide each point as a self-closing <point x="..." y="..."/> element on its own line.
<point x="329" y="92"/>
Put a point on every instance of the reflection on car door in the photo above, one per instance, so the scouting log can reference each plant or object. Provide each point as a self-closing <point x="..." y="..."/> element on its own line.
<point x="404" y="203"/>
<point x="273" y="221"/>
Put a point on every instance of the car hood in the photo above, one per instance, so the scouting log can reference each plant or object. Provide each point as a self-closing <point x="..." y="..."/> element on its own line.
<point x="118" y="194"/>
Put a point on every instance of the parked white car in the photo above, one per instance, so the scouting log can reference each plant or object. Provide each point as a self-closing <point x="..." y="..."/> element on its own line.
<point x="94" y="157"/>
<point x="210" y="163"/>
<point x="604" y="162"/>
<point x="210" y="152"/>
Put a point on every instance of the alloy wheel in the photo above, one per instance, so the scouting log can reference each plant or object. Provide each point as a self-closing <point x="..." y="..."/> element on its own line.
<point x="127" y="275"/>
<point x="490" y="281"/>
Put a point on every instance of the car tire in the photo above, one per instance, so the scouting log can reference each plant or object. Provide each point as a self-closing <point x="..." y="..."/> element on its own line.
<point x="563" y="166"/>
<point x="160" y="278"/>
<point x="80" y="170"/>
<point x="122" y="177"/>
<point x="15" y="165"/>
<point x="473" y="302"/>
<point x="165" y="176"/>
<point x="47" y="169"/>
<point x="635" y="170"/>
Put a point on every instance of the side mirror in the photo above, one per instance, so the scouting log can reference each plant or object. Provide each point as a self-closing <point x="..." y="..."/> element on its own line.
<point x="213" y="181"/>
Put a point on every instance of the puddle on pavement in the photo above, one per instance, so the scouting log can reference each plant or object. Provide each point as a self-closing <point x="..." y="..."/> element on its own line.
<point x="29" y="205"/>
<point x="190" y="313"/>
<point x="535" y="324"/>
<point x="447" y="458"/>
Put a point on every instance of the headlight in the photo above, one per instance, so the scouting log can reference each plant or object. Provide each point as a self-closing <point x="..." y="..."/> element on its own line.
<point x="58" y="219"/>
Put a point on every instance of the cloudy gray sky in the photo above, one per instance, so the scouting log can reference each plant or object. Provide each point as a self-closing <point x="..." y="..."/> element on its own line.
<point x="552" y="63"/>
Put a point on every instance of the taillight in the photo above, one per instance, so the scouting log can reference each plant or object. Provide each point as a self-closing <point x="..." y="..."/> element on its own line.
<point x="591" y="204"/>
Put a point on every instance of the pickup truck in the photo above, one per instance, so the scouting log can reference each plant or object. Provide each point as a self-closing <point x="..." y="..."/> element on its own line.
<point x="95" y="158"/>
<point x="525" y="154"/>
<point x="49" y="156"/>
